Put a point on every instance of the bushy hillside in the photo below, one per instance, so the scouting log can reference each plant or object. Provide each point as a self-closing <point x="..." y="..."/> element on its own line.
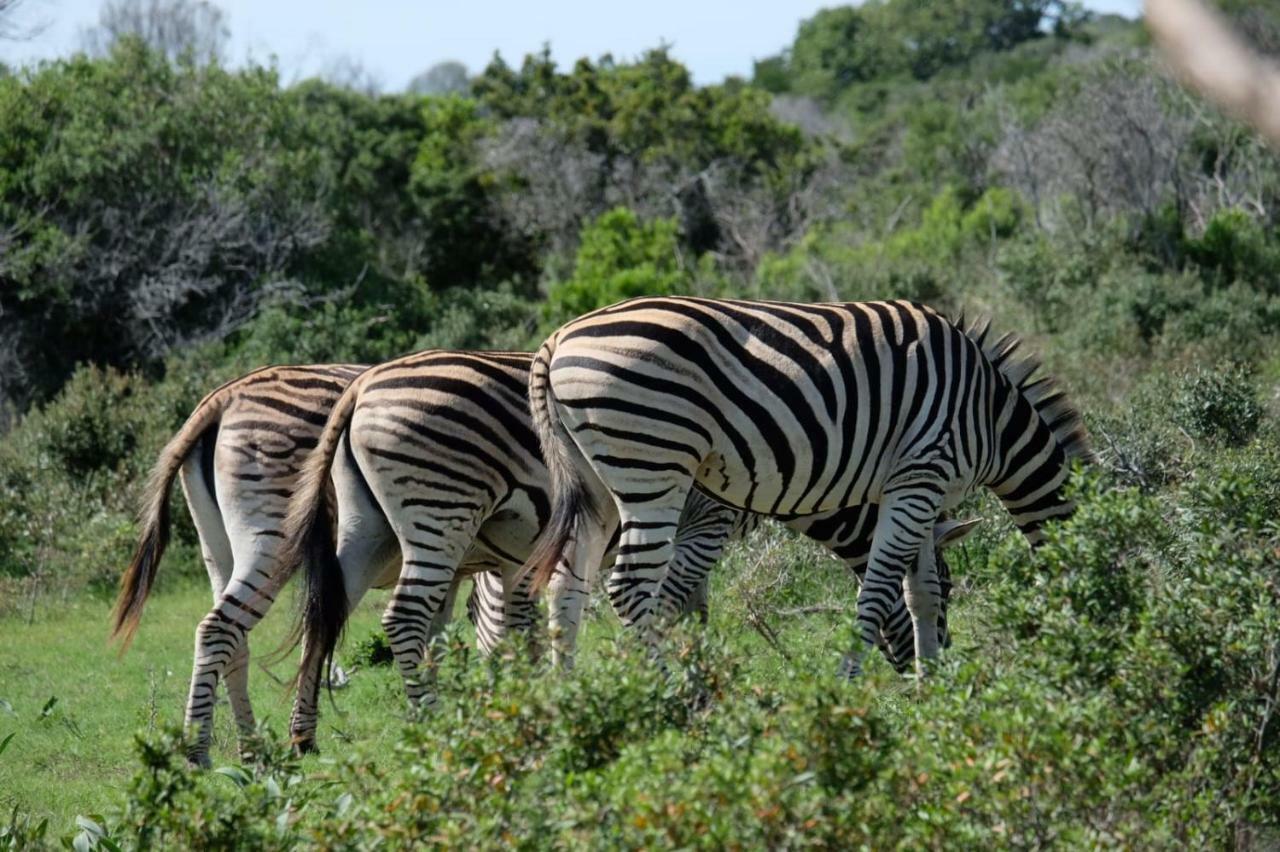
<point x="167" y="224"/>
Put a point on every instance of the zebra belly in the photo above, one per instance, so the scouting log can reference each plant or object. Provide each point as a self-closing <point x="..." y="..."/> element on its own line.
<point x="730" y="481"/>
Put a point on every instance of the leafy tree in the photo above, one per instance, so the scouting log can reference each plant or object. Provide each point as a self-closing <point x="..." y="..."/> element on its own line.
<point x="134" y="222"/>
<point x="833" y="50"/>
<point x="451" y="189"/>
<point x="620" y="257"/>
<point x="572" y="145"/>
<point x="443" y="78"/>
<point x="884" y="39"/>
<point x="771" y="74"/>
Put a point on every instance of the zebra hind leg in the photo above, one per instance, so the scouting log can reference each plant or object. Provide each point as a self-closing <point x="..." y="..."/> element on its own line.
<point x="222" y="653"/>
<point x="215" y="548"/>
<point x="425" y="588"/>
<point x="236" y="677"/>
<point x="646" y="548"/>
<point x="904" y="524"/>
<point x="568" y="590"/>
<point x="366" y="555"/>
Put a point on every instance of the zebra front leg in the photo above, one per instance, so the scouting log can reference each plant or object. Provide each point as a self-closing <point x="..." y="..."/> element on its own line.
<point x="905" y="520"/>
<point x="923" y="593"/>
<point x="705" y="528"/>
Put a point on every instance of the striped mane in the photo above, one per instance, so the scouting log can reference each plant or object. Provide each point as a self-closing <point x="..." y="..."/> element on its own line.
<point x="1045" y="395"/>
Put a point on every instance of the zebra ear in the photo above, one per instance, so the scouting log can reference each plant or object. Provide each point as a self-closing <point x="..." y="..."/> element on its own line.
<point x="947" y="533"/>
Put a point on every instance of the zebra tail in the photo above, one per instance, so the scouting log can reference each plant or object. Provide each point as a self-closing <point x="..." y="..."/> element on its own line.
<point x="310" y="546"/>
<point x="138" y="578"/>
<point x="570" y="499"/>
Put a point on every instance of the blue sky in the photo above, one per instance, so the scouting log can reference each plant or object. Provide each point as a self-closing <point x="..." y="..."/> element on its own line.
<point x="395" y="39"/>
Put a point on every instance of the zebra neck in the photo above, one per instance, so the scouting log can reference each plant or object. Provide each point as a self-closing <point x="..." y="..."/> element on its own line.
<point x="1033" y="472"/>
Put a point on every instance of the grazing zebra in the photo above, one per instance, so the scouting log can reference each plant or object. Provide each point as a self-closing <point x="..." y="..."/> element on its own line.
<point x="443" y="462"/>
<point x="240" y="454"/>
<point x="787" y="409"/>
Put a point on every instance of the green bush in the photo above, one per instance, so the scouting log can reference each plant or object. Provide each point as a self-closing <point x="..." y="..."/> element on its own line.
<point x="1115" y="691"/>
<point x="372" y="650"/>
<point x="1235" y="246"/>
<point x="93" y="423"/>
<point x="620" y="257"/>
<point x="1219" y="404"/>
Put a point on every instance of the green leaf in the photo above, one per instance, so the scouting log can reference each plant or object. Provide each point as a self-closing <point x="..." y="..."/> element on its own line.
<point x="237" y="774"/>
<point x="89" y="824"/>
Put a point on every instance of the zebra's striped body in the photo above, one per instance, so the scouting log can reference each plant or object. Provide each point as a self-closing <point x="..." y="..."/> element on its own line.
<point x="442" y="461"/>
<point x="432" y="456"/>
<point x="786" y="409"/>
<point x="240" y="455"/>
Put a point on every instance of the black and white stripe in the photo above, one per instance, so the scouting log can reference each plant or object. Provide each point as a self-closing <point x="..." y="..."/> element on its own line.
<point x="434" y="456"/>
<point x="789" y="409"/>
<point x="240" y="455"/>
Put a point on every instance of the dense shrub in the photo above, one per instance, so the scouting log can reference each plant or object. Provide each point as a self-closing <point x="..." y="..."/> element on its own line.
<point x="1220" y="404"/>
<point x="619" y="258"/>
<point x="1236" y="247"/>
<point x="372" y="650"/>
<point x="91" y="426"/>
<point x="1115" y="691"/>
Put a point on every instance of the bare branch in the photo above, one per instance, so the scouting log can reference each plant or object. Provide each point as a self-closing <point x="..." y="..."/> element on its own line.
<point x="10" y="30"/>
<point x="177" y="28"/>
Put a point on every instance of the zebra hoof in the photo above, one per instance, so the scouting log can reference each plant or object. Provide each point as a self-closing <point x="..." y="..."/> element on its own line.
<point x="337" y="678"/>
<point x="850" y="669"/>
<point x="199" y="761"/>
<point x="305" y="745"/>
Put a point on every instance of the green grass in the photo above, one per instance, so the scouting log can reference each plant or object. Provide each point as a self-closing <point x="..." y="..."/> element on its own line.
<point x="73" y="704"/>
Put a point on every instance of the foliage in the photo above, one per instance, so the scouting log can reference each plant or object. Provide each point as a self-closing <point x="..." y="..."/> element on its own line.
<point x="372" y="650"/>
<point x="1114" y="691"/>
<point x="620" y="257"/>
<point x="1219" y="404"/>
<point x="1236" y="247"/>
<point x="166" y="224"/>
<point x="845" y="45"/>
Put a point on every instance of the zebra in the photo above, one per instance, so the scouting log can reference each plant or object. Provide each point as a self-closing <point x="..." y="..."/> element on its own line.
<point x="443" y="462"/>
<point x="782" y="409"/>
<point x="239" y="455"/>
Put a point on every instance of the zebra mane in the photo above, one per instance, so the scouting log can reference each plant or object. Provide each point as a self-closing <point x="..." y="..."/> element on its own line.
<point x="1043" y="392"/>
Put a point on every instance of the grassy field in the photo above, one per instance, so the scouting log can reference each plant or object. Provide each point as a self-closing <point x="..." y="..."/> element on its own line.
<point x="74" y="705"/>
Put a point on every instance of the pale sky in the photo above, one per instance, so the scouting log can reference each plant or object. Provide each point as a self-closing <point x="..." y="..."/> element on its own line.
<point x="396" y="39"/>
